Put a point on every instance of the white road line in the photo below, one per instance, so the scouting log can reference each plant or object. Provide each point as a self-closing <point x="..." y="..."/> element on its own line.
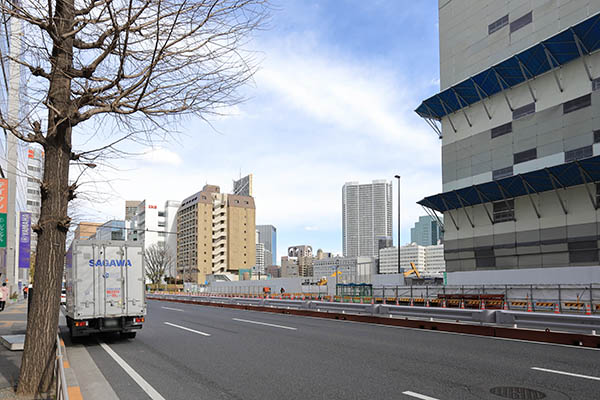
<point x="264" y="323"/>
<point x="595" y="378"/>
<point x="172" y="309"/>
<point x="187" y="329"/>
<point x="150" y="391"/>
<point x="418" y="396"/>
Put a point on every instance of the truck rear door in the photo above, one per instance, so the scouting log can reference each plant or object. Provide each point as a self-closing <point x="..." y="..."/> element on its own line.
<point x="134" y="281"/>
<point x="113" y="265"/>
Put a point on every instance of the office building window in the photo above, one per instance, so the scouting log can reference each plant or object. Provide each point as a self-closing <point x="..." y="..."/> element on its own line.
<point x="526" y="155"/>
<point x="498" y="24"/>
<point x="523" y="111"/>
<point x="596" y="84"/>
<point x="576" y="104"/>
<point x="521" y="22"/>
<point x="578" y="154"/>
<point x="597" y="136"/>
<point x="504" y="211"/>
<point x="502" y="130"/>
<point x="502" y="173"/>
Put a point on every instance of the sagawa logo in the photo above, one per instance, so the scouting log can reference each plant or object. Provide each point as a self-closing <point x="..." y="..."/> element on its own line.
<point x="110" y="263"/>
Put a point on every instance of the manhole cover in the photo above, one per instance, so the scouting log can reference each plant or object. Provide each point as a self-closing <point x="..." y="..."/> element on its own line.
<point x="520" y="393"/>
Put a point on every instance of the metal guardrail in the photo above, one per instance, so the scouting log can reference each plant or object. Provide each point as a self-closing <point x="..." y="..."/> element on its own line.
<point x="579" y="323"/>
<point x="487" y="316"/>
<point x="540" y="320"/>
<point x="62" y="392"/>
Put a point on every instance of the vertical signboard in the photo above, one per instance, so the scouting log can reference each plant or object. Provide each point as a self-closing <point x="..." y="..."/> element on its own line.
<point x="24" y="240"/>
<point x="3" y="205"/>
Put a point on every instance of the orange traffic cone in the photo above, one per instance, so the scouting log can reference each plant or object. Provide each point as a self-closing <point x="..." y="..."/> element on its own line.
<point x="483" y="304"/>
<point x="397" y="301"/>
<point x="362" y="300"/>
<point x="529" y="307"/>
<point x="556" y="309"/>
<point x="505" y="307"/>
<point x="588" y="309"/>
<point x="444" y="303"/>
<point x="427" y="305"/>
<point x="372" y="300"/>
<point x="412" y="303"/>
<point x="462" y="304"/>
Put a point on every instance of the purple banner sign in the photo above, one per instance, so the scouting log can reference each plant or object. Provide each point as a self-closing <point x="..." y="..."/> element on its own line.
<point x="24" y="240"/>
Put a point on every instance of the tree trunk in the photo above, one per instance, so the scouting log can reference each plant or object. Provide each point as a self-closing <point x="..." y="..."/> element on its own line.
<point x="42" y="321"/>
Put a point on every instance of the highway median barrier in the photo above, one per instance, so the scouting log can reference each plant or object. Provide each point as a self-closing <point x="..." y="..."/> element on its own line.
<point x="568" y="329"/>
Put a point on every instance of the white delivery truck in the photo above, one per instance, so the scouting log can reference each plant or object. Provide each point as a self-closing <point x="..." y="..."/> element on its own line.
<point x="105" y="287"/>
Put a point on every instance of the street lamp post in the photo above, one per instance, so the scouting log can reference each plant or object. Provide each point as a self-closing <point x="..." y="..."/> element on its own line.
<point x="398" y="177"/>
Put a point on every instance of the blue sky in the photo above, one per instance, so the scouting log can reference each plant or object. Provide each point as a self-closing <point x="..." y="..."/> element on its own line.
<point x="332" y="102"/>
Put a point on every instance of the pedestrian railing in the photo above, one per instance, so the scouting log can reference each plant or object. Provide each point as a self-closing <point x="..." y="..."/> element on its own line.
<point x="62" y="392"/>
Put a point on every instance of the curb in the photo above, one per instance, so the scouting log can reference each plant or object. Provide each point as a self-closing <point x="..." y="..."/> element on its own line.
<point x="73" y="388"/>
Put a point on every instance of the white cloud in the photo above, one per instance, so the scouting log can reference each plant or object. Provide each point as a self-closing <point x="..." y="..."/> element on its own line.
<point x="359" y="126"/>
<point x="363" y="99"/>
<point x="161" y="155"/>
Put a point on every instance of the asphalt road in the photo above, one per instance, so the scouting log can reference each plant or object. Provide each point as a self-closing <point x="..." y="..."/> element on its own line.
<point x="254" y="355"/>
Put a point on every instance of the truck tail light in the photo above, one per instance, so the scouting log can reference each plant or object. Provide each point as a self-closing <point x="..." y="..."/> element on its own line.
<point x="81" y="323"/>
<point x="139" y="320"/>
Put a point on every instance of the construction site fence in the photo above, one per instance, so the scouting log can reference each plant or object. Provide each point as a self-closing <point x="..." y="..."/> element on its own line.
<point x="582" y="299"/>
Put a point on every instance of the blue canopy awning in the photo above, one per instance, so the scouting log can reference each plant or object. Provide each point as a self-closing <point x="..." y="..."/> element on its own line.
<point x="583" y="38"/>
<point x="542" y="180"/>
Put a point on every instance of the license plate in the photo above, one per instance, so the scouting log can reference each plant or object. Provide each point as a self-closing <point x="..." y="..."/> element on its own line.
<point x="110" y="323"/>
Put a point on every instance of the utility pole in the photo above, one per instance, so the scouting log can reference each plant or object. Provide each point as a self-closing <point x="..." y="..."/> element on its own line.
<point x="398" y="177"/>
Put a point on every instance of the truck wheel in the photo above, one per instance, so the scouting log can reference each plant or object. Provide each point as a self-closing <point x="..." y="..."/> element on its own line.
<point x="128" y="335"/>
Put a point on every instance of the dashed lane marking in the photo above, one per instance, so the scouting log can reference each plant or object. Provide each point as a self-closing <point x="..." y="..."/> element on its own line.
<point x="418" y="395"/>
<point x="146" y="387"/>
<point x="187" y="329"/>
<point x="553" y="371"/>
<point x="172" y="309"/>
<point x="264" y="323"/>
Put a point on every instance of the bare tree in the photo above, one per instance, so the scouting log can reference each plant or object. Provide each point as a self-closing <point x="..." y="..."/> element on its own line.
<point x="157" y="260"/>
<point x="141" y="64"/>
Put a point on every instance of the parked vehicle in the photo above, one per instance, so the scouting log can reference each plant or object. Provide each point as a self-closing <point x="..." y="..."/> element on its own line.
<point x="105" y="287"/>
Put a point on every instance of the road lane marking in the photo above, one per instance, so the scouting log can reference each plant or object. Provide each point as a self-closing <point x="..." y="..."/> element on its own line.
<point x="418" y="395"/>
<point x="187" y="329"/>
<point x="172" y="309"/>
<point x="264" y="323"/>
<point x="595" y="378"/>
<point x="146" y="387"/>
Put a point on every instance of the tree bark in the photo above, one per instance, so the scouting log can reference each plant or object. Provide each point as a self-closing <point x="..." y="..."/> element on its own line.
<point x="42" y="321"/>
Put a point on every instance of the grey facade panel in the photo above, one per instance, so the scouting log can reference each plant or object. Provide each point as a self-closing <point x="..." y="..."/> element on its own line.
<point x="530" y="261"/>
<point x="507" y="262"/>
<point x="481" y="168"/>
<point x="555" y="259"/>
<point x="577" y="142"/>
<point x="550" y="148"/>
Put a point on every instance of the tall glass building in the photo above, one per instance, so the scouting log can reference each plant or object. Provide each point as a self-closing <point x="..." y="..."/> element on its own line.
<point x="267" y="235"/>
<point x="366" y="216"/>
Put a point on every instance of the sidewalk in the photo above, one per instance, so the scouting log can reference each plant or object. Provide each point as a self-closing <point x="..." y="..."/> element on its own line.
<point x="13" y="321"/>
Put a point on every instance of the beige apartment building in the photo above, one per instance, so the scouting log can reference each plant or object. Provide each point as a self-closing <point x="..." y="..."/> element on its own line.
<point x="86" y="230"/>
<point x="216" y="234"/>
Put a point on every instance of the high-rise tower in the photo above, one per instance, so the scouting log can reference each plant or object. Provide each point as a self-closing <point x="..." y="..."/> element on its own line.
<point x="366" y="216"/>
